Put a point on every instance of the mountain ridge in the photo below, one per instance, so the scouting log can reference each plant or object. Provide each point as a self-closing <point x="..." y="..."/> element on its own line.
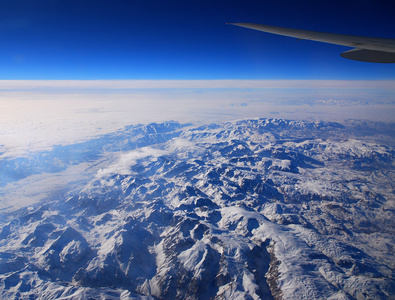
<point x="261" y="208"/>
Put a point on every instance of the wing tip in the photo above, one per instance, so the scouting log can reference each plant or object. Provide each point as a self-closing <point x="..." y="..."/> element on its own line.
<point x="239" y="24"/>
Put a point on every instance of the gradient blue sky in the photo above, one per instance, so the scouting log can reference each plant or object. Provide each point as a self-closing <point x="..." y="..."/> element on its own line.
<point x="189" y="39"/>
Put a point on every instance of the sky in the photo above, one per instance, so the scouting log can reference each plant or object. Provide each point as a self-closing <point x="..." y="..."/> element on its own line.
<point x="188" y="39"/>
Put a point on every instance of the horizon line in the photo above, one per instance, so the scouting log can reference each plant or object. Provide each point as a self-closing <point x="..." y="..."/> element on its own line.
<point x="116" y="84"/>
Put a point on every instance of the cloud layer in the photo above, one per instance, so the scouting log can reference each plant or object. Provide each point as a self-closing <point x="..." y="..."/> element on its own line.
<point x="36" y="114"/>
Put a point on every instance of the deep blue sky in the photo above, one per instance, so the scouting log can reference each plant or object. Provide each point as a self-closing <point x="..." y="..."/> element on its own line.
<point x="188" y="39"/>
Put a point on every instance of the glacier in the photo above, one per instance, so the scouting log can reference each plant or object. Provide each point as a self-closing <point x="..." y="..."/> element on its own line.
<point x="249" y="209"/>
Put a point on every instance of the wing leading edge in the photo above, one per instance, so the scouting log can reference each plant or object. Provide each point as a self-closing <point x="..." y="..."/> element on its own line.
<point x="369" y="49"/>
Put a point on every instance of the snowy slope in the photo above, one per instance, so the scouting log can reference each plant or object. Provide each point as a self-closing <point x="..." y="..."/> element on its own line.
<point x="252" y="209"/>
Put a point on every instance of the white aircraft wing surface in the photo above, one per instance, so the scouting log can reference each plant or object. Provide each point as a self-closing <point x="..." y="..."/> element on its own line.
<point x="369" y="49"/>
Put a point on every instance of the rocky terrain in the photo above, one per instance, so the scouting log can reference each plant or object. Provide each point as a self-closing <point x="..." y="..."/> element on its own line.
<point x="251" y="209"/>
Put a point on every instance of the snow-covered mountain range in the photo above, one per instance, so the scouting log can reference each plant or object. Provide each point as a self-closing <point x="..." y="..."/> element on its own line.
<point x="251" y="209"/>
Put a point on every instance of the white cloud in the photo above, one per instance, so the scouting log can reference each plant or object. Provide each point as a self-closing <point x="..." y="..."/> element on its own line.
<point x="124" y="163"/>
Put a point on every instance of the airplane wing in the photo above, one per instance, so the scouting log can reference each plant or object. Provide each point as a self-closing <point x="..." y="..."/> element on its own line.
<point x="369" y="49"/>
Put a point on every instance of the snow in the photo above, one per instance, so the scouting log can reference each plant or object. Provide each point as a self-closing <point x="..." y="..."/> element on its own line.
<point x="251" y="209"/>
